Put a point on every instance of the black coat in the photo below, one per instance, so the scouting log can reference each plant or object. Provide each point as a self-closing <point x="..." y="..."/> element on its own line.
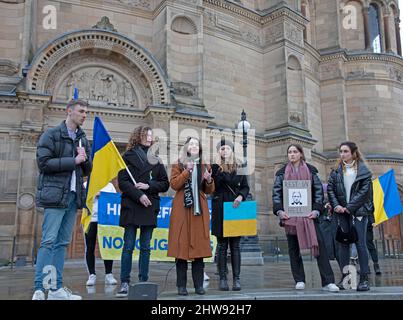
<point x="317" y="190"/>
<point x="154" y="174"/>
<point x="238" y="183"/>
<point x="361" y="203"/>
<point x="55" y="155"/>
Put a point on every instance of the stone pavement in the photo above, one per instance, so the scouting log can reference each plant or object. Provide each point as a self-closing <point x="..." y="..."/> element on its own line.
<point x="268" y="282"/>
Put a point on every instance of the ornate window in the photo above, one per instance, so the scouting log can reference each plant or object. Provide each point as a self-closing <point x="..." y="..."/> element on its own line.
<point x="374" y="28"/>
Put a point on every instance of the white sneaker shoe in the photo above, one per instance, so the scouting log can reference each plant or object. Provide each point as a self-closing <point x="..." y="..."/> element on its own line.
<point x="91" y="280"/>
<point x="331" y="287"/>
<point x="206" y="277"/>
<point x="63" y="294"/>
<point x="110" y="280"/>
<point x="300" y="286"/>
<point x="38" y="295"/>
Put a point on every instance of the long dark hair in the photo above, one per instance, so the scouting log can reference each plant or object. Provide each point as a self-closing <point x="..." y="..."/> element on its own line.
<point x="185" y="154"/>
<point x="357" y="157"/>
<point x="299" y="148"/>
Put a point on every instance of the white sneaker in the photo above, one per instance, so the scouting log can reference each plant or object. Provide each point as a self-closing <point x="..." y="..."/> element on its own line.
<point x="38" y="295"/>
<point x="109" y="279"/>
<point x="300" y="286"/>
<point x="206" y="277"/>
<point x="91" y="280"/>
<point x="331" y="287"/>
<point x="63" y="294"/>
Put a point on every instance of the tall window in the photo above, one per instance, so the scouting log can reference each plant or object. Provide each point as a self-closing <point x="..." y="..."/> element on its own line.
<point x="374" y="28"/>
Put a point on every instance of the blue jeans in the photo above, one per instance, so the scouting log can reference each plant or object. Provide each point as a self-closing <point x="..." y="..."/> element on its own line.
<point x="57" y="229"/>
<point x="361" y="244"/>
<point x="146" y="233"/>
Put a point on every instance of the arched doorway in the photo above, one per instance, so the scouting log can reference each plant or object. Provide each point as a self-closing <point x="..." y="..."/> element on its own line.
<point x="99" y="63"/>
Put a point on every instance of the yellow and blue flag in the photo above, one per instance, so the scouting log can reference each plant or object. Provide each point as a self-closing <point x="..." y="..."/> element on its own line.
<point x="106" y="164"/>
<point x="239" y="221"/>
<point x="386" y="197"/>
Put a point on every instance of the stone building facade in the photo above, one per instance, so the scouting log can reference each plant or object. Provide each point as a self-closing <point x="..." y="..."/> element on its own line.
<point x="306" y="71"/>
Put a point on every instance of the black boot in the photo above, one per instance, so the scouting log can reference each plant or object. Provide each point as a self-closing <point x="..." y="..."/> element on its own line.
<point x="236" y="267"/>
<point x="341" y="282"/>
<point x="223" y="284"/>
<point x="181" y="276"/>
<point x="198" y="275"/>
<point x="222" y="269"/>
<point x="364" y="283"/>
<point x="182" y="291"/>
<point x="377" y="269"/>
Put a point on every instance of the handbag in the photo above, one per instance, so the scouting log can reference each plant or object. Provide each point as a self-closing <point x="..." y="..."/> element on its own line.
<point x="346" y="236"/>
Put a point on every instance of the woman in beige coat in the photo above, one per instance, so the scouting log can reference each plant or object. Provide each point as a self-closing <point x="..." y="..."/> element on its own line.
<point x="189" y="229"/>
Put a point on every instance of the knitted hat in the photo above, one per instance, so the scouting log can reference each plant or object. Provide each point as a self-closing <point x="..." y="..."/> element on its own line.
<point x="225" y="142"/>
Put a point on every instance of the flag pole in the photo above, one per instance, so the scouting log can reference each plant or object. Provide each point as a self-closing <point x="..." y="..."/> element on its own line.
<point x="130" y="174"/>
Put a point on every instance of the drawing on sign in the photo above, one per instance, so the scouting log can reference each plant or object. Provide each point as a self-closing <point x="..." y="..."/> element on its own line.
<point x="297" y="197"/>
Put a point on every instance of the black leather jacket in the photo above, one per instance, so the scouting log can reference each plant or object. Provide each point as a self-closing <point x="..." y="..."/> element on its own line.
<point x="317" y="190"/>
<point x="361" y="202"/>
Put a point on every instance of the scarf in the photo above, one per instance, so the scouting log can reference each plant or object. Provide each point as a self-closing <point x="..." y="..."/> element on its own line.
<point x="302" y="227"/>
<point x="195" y="189"/>
<point x="192" y="190"/>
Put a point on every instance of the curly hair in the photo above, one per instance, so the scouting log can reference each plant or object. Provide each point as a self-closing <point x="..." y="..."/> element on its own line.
<point x="137" y="135"/>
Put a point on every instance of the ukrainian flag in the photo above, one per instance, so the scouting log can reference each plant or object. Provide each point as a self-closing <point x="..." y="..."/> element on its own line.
<point x="239" y="221"/>
<point x="386" y="197"/>
<point x="106" y="164"/>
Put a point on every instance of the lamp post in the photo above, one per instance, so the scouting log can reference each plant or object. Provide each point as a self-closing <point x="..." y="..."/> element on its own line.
<point x="244" y="125"/>
<point x="251" y="252"/>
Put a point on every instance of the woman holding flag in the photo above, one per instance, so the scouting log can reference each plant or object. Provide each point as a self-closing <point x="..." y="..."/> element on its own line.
<point x="229" y="187"/>
<point x="303" y="232"/>
<point x="350" y="194"/>
<point x="142" y="181"/>
<point x="189" y="226"/>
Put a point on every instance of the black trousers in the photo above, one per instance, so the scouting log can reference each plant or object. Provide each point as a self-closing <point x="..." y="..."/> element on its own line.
<point x="90" y="241"/>
<point x="222" y="248"/>
<point x="297" y="266"/>
<point x="361" y="244"/>
<point x="370" y="243"/>
<point x="197" y="272"/>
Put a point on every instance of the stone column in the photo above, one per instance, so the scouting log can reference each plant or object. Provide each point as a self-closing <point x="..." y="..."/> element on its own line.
<point x="398" y="40"/>
<point x="303" y="11"/>
<point x="366" y="28"/>
<point x="26" y="214"/>
<point x="387" y="34"/>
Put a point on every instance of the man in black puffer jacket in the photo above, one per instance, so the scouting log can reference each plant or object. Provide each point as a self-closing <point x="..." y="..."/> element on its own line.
<point x="63" y="160"/>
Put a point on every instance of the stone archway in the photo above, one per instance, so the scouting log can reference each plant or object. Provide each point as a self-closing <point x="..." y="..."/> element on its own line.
<point x="108" y="68"/>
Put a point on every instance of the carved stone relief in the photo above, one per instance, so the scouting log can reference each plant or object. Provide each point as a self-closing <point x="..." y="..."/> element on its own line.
<point x="293" y="34"/>
<point x="274" y="34"/>
<point x="102" y="82"/>
<point x="394" y="74"/>
<point x="233" y="26"/>
<point x="145" y="4"/>
<point x="184" y="89"/>
<point x="99" y="84"/>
